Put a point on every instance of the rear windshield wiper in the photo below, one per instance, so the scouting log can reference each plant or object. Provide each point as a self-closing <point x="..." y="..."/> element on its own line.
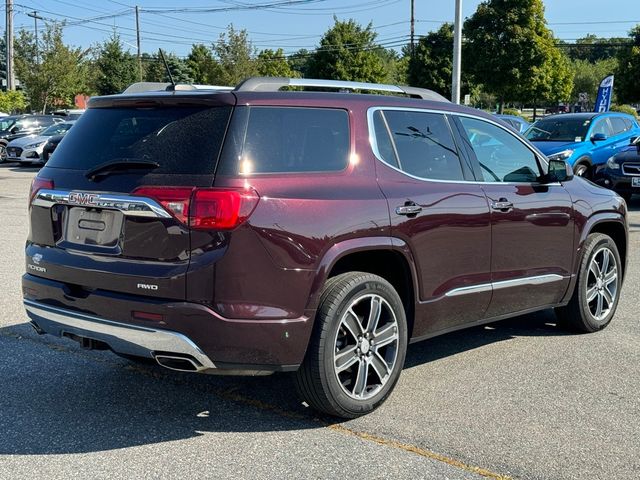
<point x="119" y="164"/>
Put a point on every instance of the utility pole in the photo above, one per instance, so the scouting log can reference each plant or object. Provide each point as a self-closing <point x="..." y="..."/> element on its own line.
<point x="413" y="21"/>
<point x="10" y="78"/>
<point x="457" y="53"/>
<point x="138" y="42"/>
<point x="35" y="17"/>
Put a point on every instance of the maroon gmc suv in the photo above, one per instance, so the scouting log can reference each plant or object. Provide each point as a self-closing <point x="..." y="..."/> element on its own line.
<point x="254" y="230"/>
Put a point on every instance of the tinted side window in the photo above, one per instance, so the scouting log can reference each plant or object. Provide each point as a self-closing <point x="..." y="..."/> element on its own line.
<point x="502" y="157"/>
<point x="628" y="125"/>
<point x="286" y="139"/>
<point x="602" y="126"/>
<point x="618" y="125"/>
<point x="424" y="144"/>
<point x="383" y="141"/>
<point x="46" y="121"/>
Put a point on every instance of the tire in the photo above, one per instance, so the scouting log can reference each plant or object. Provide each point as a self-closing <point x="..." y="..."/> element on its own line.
<point x="339" y="393"/>
<point x="586" y="315"/>
<point x="581" y="170"/>
<point x="3" y="152"/>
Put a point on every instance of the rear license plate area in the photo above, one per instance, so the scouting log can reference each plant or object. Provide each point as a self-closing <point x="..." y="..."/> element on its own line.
<point x="635" y="182"/>
<point x="93" y="227"/>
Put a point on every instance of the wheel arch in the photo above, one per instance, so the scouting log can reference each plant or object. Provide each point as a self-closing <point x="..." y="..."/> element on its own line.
<point x="389" y="258"/>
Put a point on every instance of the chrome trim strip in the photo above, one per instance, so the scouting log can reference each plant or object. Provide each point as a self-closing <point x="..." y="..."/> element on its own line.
<point x="516" y="282"/>
<point x="374" y="144"/>
<point x="122" y="338"/>
<point x="128" y="204"/>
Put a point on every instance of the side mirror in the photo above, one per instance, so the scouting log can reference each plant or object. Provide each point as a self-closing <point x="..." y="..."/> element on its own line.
<point x="598" y="137"/>
<point x="14" y="129"/>
<point x="559" y="171"/>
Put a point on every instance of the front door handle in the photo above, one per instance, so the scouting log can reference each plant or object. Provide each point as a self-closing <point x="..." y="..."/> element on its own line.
<point x="409" y="209"/>
<point x="503" y="205"/>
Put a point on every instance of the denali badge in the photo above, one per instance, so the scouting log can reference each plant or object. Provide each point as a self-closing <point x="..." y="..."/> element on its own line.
<point x="147" y="286"/>
<point x="82" y="198"/>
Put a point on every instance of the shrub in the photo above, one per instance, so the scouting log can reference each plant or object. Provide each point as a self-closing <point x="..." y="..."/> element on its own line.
<point x="624" y="109"/>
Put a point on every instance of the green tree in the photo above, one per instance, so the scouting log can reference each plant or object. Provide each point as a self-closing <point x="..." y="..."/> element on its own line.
<point x="394" y="65"/>
<point x="299" y="62"/>
<point x="431" y="64"/>
<point x="628" y="73"/>
<point x="60" y="74"/>
<point x="587" y="76"/>
<point x="116" y="68"/>
<point x="512" y="53"/>
<point x="155" y="70"/>
<point x="274" y="64"/>
<point x="12" y="101"/>
<point x="593" y="48"/>
<point x="204" y="68"/>
<point x="235" y="55"/>
<point x="348" y="51"/>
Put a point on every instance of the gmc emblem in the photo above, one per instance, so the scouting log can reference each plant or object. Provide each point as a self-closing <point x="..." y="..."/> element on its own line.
<point x="81" y="198"/>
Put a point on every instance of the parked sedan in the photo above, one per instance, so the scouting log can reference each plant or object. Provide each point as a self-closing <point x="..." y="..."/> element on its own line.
<point x="621" y="173"/>
<point x="28" y="150"/>
<point x="519" y="124"/>
<point x="583" y="140"/>
<point x="18" y="126"/>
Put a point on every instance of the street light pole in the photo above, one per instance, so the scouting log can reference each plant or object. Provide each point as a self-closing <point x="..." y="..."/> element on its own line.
<point x="457" y="53"/>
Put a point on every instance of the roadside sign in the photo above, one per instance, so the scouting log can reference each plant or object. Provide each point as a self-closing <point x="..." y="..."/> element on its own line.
<point x="467" y="99"/>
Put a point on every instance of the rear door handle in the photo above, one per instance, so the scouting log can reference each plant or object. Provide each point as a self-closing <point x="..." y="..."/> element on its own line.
<point x="502" y="205"/>
<point x="408" y="209"/>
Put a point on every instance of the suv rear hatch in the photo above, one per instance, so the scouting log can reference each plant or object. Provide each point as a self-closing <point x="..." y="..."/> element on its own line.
<point x="110" y="209"/>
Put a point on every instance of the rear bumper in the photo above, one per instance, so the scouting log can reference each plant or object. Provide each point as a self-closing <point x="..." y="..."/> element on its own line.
<point x="121" y="338"/>
<point x="186" y="330"/>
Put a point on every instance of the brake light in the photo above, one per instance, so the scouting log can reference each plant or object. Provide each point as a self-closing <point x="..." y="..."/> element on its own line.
<point x="38" y="184"/>
<point x="221" y="209"/>
<point x="174" y="199"/>
<point x="205" y="208"/>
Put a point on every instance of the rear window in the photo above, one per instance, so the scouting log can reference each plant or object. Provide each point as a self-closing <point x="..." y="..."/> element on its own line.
<point x="290" y="140"/>
<point x="184" y="140"/>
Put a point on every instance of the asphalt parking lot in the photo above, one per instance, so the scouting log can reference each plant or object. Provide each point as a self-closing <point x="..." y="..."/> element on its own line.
<point x="518" y="399"/>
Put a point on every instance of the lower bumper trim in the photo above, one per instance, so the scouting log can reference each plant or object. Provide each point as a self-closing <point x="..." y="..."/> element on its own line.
<point x="121" y="338"/>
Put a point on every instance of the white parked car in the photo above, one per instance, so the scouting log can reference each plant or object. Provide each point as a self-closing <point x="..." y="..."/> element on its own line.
<point x="28" y="150"/>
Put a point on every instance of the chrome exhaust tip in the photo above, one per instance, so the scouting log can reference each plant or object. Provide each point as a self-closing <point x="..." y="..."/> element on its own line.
<point x="178" y="362"/>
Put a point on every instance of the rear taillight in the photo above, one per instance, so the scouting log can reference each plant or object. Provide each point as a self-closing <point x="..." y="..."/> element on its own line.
<point x="174" y="199"/>
<point x="38" y="184"/>
<point x="221" y="209"/>
<point x="205" y="208"/>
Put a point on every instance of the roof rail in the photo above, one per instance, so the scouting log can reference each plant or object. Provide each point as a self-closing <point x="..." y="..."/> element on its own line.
<point x="140" y="87"/>
<point x="273" y="84"/>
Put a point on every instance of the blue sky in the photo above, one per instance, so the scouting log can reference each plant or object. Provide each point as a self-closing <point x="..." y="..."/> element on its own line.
<point x="296" y="26"/>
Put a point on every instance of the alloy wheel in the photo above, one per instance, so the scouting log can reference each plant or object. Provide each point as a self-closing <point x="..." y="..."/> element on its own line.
<point x="602" y="283"/>
<point x="366" y="346"/>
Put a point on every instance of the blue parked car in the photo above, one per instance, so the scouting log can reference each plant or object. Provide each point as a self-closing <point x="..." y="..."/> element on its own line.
<point x="584" y="140"/>
<point x="519" y="124"/>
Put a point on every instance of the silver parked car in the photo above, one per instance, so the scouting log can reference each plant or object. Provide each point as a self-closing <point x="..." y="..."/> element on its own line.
<point x="28" y="150"/>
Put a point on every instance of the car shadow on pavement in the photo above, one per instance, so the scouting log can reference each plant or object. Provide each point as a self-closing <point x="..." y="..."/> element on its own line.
<point x="539" y="324"/>
<point x="57" y="398"/>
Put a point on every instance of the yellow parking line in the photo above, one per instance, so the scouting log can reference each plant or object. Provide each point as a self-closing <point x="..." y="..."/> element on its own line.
<point x="231" y="394"/>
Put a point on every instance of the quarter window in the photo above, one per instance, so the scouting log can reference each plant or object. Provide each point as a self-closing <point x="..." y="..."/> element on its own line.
<point x="502" y="157"/>
<point x="618" y="125"/>
<point x="291" y="139"/>
<point x="423" y="143"/>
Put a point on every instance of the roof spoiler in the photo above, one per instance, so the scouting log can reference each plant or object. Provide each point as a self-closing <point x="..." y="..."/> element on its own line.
<point x="141" y="87"/>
